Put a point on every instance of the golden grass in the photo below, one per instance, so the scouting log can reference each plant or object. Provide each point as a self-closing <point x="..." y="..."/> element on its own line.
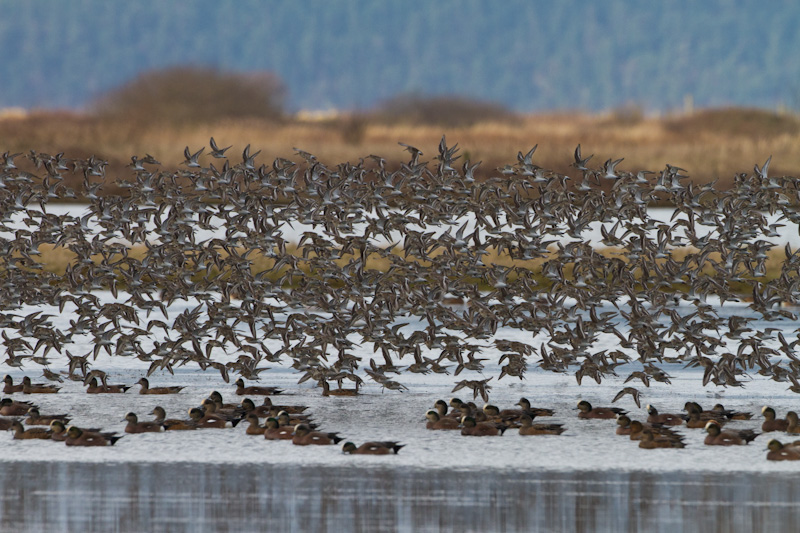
<point x="713" y="144"/>
<point x="56" y="260"/>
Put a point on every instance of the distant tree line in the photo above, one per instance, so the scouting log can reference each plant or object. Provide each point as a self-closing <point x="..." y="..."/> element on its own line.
<point x="353" y="55"/>
<point x="190" y="95"/>
<point x="185" y="95"/>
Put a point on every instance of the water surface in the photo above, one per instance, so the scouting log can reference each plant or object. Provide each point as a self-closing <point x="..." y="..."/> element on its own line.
<point x="47" y="496"/>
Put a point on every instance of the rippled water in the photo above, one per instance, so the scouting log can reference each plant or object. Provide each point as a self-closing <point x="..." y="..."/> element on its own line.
<point x="46" y="496"/>
<point x="587" y="479"/>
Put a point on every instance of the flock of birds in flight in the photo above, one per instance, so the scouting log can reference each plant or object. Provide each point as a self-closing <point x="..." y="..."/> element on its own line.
<point x="457" y="254"/>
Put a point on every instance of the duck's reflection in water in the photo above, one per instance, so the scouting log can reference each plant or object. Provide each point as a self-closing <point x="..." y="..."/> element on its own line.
<point x="42" y="496"/>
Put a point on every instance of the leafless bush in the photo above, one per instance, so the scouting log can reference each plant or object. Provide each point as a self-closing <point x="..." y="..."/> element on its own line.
<point x="630" y="113"/>
<point x="735" y="122"/>
<point x="447" y="111"/>
<point x="354" y="129"/>
<point x="187" y="95"/>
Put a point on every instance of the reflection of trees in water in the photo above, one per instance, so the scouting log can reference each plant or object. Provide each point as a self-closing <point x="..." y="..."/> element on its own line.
<point x="151" y="497"/>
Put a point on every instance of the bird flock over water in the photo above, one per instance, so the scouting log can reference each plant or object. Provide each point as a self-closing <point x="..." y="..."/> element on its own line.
<point x="425" y="245"/>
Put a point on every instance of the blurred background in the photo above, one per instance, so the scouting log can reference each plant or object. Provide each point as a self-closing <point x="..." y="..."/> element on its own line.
<point x="713" y="87"/>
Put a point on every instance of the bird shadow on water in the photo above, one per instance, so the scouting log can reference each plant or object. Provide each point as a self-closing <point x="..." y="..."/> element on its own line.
<point x="46" y="496"/>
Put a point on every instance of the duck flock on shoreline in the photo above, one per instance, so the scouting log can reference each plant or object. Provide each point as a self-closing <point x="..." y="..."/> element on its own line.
<point x="657" y="431"/>
<point x="292" y="422"/>
<point x="283" y="422"/>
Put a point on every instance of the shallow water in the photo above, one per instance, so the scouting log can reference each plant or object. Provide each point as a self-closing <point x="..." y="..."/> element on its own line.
<point x="587" y="479"/>
<point x="787" y="231"/>
<point x="389" y="415"/>
<point x="47" y="496"/>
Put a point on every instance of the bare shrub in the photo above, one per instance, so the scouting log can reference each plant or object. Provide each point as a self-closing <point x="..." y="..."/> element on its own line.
<point x="447" y="111"/>
<point x="354" y="129"/>
<point x="190" y="95"/>
<point x="630" y="113"/>
<point x="754" y="123"/>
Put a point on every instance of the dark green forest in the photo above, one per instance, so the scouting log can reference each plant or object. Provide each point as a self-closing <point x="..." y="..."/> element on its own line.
<point x="527" y="55"/>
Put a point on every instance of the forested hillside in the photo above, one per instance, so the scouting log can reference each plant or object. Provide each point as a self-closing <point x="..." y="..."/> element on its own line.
<point x="352" y="54"/>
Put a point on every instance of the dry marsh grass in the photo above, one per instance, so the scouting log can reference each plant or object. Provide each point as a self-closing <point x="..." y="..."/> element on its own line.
<point x="57" y="260"/>
<point x="711" y="144"/>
